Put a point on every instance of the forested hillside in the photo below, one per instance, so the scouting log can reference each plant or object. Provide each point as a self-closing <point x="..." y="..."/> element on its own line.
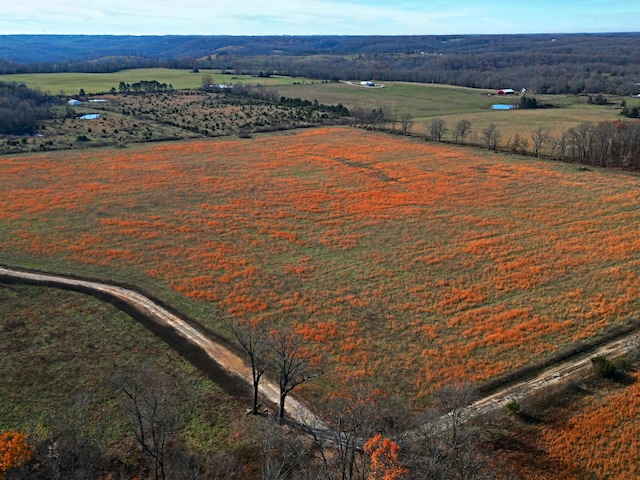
<point x="565" y="63"/>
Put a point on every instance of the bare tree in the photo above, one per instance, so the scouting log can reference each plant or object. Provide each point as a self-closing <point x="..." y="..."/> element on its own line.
<point x="282" y="452"/>
<point x="366" y="118"/>
<point x="444" y="447"/>
<point x="463" y="128"/>
<point x="393" y="120"/>
<point x="254" y="341"/>
<point x="153" y="413"/>
<point x="352" y="416"/>
<point x="578" y="140"/>
<point x="491" y="136"/>
<point x="354" y="413"/>
<point x="208" y="465"/>
<point x="406" y="123"/>
<point x="518" y="145"/>
<point x="206" y="82"/>
<point x="561" y="143"/>
<point x="628" y="135"/>
<point x="451" y="401"/>
<point x="380" y="117"/>
<point x="539" y="137"/>
<point x="292" y="364"/>
<point x="436" y="128"/>
<point x="74" y="448"/>
<point x="602" y="141"/>
<point x="359" y="116"/>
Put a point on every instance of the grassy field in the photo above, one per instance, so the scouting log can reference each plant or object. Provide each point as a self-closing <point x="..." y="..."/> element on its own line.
<point x="414" y="262"/>
<point x="57" y="346"/>
<point x="452" y="104"/>
<point x="92" y="83"/>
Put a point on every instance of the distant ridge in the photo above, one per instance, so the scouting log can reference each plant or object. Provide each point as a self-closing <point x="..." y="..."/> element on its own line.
<point x="29" y="49"/>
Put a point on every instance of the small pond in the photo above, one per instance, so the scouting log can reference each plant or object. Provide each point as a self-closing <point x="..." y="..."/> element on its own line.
<point x="90" y="116"/>
<point x="502" y="106"/>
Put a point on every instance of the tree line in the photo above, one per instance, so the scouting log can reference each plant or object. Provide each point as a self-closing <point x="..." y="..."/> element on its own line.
<point x="369" y="434"/>
<point x="474" y="71"/>
<point x="143" y="86"/>
<point x="22" y="108"/>
<point x="613" y="144"/>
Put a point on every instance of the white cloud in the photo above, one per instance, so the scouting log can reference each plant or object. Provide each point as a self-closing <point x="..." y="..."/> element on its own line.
<point x="220" y="17"/>
<point x="286" y="17"/>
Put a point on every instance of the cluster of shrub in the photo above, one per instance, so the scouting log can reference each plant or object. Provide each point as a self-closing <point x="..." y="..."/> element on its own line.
<point x="633" y="112"/>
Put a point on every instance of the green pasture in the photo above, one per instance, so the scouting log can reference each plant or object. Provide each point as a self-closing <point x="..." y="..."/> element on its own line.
<point x="58" y="346"/>
<point x="451" y="103"/>
<point x="421" y="100"/>
<point x="91" y="83"/>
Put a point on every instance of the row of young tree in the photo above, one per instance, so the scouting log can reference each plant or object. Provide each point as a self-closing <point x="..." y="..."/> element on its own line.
<point x="614" y="144"/>
<point x="271" y="95"/>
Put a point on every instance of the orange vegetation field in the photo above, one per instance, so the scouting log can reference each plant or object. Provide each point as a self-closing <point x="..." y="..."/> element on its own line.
<point x="417" y="262"/>
<point x="599" y="437"/>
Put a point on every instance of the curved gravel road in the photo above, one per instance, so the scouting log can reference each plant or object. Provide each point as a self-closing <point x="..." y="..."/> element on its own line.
<point x="234" y="365"/>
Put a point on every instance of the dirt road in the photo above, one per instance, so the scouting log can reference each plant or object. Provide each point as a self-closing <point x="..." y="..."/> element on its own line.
<point x="234" y="365"/>
<point x="221" y="355"/>
<point x="555" y="374"/>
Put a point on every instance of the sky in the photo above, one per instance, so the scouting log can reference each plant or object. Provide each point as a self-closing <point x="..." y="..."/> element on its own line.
<point x="317" y="17"/>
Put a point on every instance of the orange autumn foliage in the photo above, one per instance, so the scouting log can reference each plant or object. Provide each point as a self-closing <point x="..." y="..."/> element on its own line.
<point x="14" y="450"/>
<point x="385" y="459"/>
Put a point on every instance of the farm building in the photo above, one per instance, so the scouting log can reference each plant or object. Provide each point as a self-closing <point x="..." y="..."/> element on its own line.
<point x="74" y="103"/>
<point x="506" y="91"/>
